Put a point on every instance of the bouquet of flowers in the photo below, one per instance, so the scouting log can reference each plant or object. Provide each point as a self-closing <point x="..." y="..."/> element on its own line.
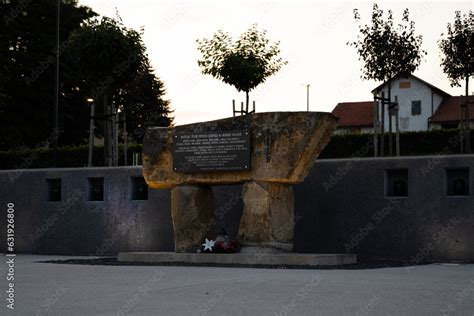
<point x="221" y="244"/>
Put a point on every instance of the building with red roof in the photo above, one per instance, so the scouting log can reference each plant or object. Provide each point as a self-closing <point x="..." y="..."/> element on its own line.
<point x="449" y="112"/>
<point x="421" y="105"/>
<point x="355" y="116"/>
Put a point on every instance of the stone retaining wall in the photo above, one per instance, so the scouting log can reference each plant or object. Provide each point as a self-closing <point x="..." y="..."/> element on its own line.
<point x="344" y="205"/>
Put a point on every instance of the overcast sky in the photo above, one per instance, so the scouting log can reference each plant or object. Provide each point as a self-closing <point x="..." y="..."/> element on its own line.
<point x="313" y="36"/>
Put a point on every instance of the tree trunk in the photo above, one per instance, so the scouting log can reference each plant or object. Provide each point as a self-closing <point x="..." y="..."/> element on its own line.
<point x="108" y="140"/>
<point x="390" y="144"/>
<point x="397" y="128"/>
<point x="106" y="129"/>
<point x="115" y="136"/>
<point x="376" y="125"/>
<point x="382" y="126"/>
<point x="461" y="129"/>
<point x="246" y="102"/>
<point x="124" y="139"/>
<point x="467" y="119"/>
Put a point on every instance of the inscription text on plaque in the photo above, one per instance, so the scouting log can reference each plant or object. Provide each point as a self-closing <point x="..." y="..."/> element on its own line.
<point x="212" y="151"/>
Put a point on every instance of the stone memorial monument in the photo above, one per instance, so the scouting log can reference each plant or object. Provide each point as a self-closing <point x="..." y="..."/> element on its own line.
<point x="267" y="152"/>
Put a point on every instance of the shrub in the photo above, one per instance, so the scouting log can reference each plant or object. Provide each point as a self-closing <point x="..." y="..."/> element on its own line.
<point x="411" y="144"/>
<point x="67" y="157"/>
<point x="444" y="142"/>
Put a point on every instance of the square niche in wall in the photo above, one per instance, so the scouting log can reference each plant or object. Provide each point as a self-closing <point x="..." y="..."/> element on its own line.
<point x="396" y="182"/>
<point x="96" y="189"/>
<point x="54" y="190"/>
<point x="457" y="181"/>
<point x="139" y="188"/>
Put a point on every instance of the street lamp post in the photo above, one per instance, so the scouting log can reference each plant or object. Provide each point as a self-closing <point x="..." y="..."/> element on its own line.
<point x="56" y="96"/>
<point x="116" y="122"/>
<point x="91" y="131"/>
<point x="307" y="95"/>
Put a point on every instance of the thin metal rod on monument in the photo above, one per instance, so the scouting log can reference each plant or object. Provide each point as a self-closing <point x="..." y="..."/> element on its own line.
<point x="307" y="98"/>
<point x="233" y="107"/>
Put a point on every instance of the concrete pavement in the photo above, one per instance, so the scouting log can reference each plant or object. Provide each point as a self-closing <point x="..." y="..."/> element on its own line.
<point x="66" y="289"/>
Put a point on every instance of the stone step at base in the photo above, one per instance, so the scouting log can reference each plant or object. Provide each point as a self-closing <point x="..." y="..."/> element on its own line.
<point x="286" y="259"/>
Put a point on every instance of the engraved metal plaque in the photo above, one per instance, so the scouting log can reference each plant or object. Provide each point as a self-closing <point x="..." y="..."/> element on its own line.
<point x="212" y="151"/>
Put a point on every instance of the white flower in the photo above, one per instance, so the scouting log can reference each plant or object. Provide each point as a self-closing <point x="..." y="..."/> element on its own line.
<point x="208" y="244"/>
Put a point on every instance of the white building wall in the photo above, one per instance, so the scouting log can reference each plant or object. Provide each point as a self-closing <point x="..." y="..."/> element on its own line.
<point x="437" y="99"/>
<point x="418" y="91"/>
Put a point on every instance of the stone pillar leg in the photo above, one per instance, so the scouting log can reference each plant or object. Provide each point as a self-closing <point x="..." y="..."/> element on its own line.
<point x="192" y="211"/>
<point x="268" y="217"/>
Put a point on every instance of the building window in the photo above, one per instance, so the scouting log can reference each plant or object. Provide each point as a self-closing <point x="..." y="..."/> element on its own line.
<point x="139" y="189"/>
<point x="415" y="107"/>
<point x="457" y="182"/>
<point x="449" y="125"/>
<point x="404" y="85"/>
<point x="96" y="189"/>
<point x="54" y="190"/>
<point x="396" y="182"/>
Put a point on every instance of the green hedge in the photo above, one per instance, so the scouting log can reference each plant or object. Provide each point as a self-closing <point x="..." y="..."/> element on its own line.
<point x="341" y="146"/>
<point x="411" y="144"/>
<point x="67" y="157"/>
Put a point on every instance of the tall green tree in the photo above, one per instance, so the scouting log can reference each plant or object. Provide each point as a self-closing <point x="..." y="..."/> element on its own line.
<point x="94" y="62"/>
<point x="457" y="61"/>
<point x="107" y="55"/>
<point x="27" y="67"/>
<point x="244" y="63"/>
<point x="144" y="104"/>
<point x="111" y="62"/>
<point x="387" y="51"/>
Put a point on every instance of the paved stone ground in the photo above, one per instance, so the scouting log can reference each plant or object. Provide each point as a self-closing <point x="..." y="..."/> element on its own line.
<point x="67" y="289"/>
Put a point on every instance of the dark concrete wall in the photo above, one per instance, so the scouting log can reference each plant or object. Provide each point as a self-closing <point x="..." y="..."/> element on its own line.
<point x="78" y="226"/>
<point x="344" y="207"/>
<point x="341" y="207"/>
